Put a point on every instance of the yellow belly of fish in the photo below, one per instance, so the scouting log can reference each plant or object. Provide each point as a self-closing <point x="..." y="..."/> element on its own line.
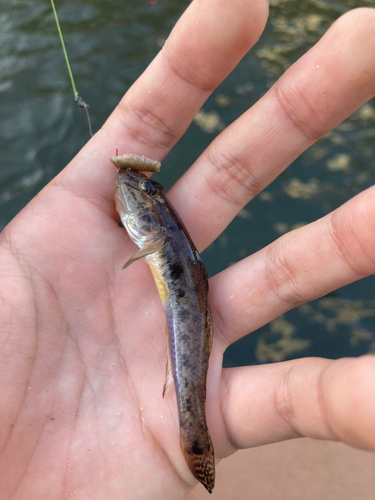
<point x="161" y="285"/>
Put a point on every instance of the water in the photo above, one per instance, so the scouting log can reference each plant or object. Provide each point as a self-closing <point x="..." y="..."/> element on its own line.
<point x="110" y="43"/>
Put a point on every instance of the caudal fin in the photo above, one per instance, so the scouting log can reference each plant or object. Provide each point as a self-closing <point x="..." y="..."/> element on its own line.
<point x="201" y="462"/>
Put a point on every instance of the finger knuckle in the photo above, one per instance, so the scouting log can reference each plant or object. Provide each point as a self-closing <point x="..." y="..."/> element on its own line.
<point x="299" y="111"/>
<point x="283" y="400"/>
<point x="352" y="242"/>
<point x="281" y="276"/>
<point x="144" y="125"/>
<point x="188" y="71"/>
<point x="232" y="179"/>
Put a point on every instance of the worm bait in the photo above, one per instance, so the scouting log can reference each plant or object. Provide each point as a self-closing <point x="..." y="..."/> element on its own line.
<point x="139" y="163"/>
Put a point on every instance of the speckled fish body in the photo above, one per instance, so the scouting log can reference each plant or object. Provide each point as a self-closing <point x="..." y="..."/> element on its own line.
<point x="181" y="280"/>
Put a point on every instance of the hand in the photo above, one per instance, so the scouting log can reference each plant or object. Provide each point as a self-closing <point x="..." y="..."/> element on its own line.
<point x="82" y="343"/>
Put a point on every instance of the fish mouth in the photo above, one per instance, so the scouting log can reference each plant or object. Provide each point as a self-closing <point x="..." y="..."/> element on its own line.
<point x="120" y="176"/>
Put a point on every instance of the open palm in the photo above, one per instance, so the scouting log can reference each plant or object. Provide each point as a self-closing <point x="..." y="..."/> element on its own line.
<point x="82" y="342"/>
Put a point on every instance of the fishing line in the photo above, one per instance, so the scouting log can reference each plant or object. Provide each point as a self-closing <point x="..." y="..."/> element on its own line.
<point x="81" y="103"/>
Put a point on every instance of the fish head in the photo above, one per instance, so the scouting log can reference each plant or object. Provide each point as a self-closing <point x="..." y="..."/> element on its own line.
<point x="138" y="202"/>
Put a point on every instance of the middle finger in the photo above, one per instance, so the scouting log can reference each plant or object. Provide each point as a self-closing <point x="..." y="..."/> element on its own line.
<point x="326" y="85"/>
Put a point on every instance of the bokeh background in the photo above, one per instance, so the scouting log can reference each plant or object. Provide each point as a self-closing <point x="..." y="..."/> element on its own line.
<point x="110" y="43"/>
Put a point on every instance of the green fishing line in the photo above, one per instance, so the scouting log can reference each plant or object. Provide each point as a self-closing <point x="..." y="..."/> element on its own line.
<point x="64" y="50"/>
<point x="81" y="103"/>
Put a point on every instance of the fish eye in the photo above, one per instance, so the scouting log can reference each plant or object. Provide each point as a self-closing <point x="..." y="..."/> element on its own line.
<point x="148" y="187"/>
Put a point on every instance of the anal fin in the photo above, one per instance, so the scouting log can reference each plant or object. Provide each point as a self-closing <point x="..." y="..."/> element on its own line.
<point x="168" y="367"/>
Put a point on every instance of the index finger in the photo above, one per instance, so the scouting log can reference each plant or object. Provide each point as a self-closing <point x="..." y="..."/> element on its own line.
<point x="206" y="44"/>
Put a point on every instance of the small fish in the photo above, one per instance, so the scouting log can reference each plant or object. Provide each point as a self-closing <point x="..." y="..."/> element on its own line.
<point x="139" y="163"/>
<point x="181" y="280"/>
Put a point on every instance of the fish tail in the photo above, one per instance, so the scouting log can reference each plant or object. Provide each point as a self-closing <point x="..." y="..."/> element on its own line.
<point x="201" y="463"/>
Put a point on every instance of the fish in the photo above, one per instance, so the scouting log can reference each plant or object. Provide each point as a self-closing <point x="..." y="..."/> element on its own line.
<point x="182" y="283"/>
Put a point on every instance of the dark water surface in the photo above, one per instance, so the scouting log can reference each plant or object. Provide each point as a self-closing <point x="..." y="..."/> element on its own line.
<point x="110" y="43"/>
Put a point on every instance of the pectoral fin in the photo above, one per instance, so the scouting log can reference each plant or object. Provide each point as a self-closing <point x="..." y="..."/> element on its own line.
<point x="168" y="368"/>
<point x="143" y="252"/>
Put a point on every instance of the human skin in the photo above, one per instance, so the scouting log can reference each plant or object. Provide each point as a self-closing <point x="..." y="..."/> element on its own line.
<point x="82" y="343"/>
